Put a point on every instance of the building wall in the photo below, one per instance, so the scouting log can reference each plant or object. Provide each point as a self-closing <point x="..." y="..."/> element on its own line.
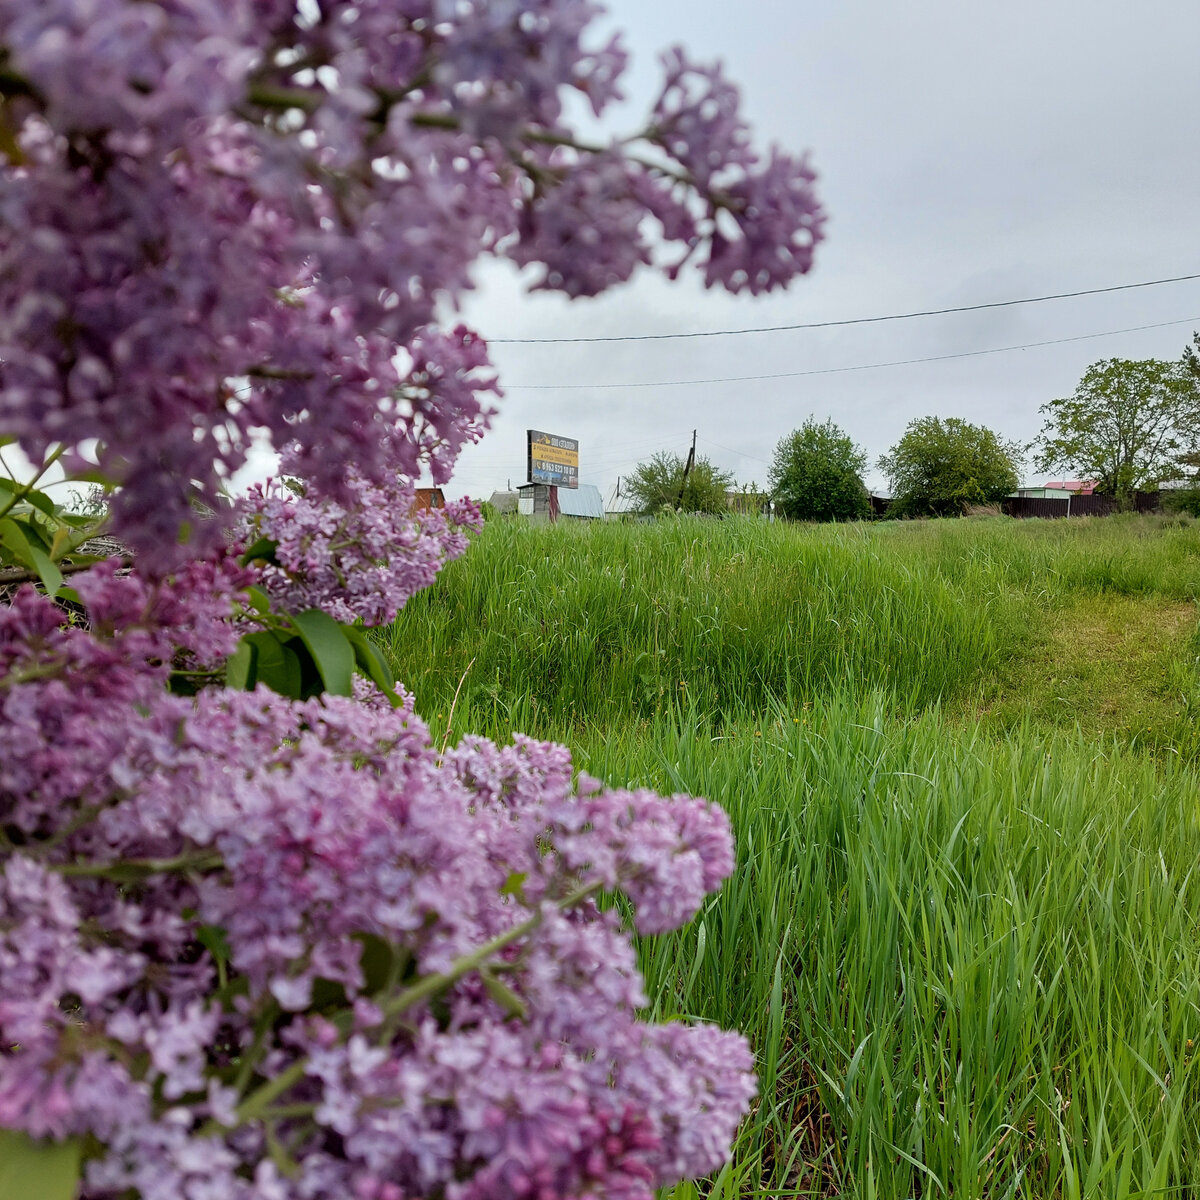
<point x="428" y="498"/>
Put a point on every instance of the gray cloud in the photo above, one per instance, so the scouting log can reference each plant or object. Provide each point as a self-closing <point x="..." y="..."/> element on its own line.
<point x="967" y="153"/>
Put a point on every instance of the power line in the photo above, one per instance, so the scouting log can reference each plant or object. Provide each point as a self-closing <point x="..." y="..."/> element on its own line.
<point x="903" y="316"/>
<point x="740" y="453"/>
<point x="900" y="362"/>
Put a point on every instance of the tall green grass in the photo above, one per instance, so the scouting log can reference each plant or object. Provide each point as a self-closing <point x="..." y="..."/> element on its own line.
<point x="606" y="623"/>
<point x="1130" y="555"/>
<point x="612" y="622"/>
<point x="967" y="954"/>
<point x="969" y="968"/>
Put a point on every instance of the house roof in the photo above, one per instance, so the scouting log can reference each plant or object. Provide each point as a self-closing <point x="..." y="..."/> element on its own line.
<point x="583" y="501"/>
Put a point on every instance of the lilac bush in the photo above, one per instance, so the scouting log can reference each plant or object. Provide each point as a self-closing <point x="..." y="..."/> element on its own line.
<point x="259" y="938"/>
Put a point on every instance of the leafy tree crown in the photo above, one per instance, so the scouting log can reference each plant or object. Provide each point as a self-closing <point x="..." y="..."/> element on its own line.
<point x="1128" y="425"/>
<point x="943" y="464"/>
<point x="658" y="485"/>
<point x="816" y="475"/>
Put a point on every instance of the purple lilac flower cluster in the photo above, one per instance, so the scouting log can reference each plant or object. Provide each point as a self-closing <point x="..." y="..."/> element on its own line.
<point x="279" y="947"/>
<point x="357" y="560"/>
<point x="199" y="193"/>
<point x="362" y="551"/>
<point x="258" y="948"/>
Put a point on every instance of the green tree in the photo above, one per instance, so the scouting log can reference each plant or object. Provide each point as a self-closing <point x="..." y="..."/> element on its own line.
<point x="942" y="465"/>
<point x="1128" y="425"/>
<point x="1191" y="356"/>
<point x="658" y="484"/>
<point x="817" y="475"/>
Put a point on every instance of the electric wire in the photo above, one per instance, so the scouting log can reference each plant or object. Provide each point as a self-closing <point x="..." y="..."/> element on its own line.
<point x="731" y="450"/>
<point x="902" y="316"/>
<point x="900" y="362"/>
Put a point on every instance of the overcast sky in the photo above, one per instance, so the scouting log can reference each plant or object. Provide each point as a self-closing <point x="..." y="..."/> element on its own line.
<point x="966" y="153"/>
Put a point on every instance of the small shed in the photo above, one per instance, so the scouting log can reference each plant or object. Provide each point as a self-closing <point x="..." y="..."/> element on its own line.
<point x="533" y="500"/>
<point x="426" y="498"/>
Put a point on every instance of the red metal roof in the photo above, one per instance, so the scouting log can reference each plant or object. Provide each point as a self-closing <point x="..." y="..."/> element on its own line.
<point x="1084" y="486"/>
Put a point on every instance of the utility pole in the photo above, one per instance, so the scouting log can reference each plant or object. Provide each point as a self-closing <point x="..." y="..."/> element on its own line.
<point x="687" y="470"/>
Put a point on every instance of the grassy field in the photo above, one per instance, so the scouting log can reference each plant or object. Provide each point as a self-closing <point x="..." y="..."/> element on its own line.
<point x="964" y="933"/>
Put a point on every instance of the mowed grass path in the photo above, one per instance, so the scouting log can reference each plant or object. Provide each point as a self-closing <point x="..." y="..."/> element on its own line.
<point x="964" y="931"/>
<point x="1121" y="665"/>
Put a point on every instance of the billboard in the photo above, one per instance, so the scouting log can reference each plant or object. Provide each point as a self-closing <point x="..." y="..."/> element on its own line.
<point x="553" y="459"/>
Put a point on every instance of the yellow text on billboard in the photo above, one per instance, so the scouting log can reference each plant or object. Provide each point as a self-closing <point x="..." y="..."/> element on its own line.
<point x="554" y="454"/>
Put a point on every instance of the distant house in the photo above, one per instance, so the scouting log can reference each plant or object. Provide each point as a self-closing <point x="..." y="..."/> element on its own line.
<point x="583" y="503"/>
<point x="428" y="498"/>
<point x="1074" y="498"/>
<point x="1052" y="491"/>
<point x="504" y="502"/>
<point x="748" y="501"/>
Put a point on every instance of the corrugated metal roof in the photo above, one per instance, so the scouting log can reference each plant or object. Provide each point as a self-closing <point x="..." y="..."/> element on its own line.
<point x="583" y="501"/>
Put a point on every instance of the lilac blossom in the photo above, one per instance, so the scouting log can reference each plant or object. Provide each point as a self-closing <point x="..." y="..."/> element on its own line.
<point x="259" y="948"/>
<point x="360" y="560"/>
<point x="764" y="219"/>
<point x="585" y="231"/>
<point x="215" y="814"/>
<point x="240" y="215"/>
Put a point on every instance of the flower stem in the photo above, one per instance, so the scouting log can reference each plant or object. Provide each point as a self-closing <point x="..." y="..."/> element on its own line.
<point x="432" y="984"/>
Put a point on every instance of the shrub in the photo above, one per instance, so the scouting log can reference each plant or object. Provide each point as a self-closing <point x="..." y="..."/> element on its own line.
<point x="817" y="475"/>
<point x="259" y="938"/>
